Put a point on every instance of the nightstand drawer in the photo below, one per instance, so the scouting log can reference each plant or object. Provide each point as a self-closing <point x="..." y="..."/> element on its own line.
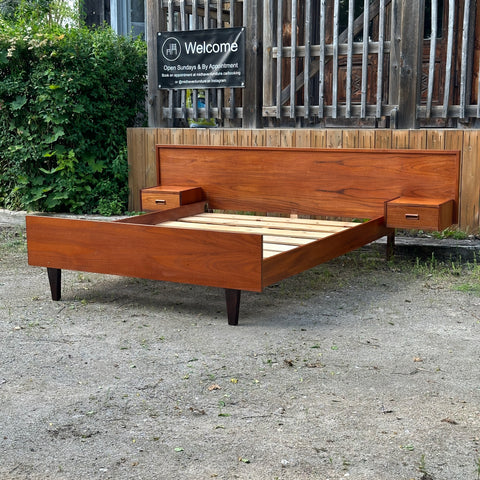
<point x="420" y="214"/>
<point x="166" y="197"/>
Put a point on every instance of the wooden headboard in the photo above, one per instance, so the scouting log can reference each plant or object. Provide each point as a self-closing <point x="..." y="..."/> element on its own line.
<point x="334" y="182"/>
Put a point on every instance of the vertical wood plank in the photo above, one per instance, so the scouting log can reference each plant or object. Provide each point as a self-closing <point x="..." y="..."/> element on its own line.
<point x="272" y="138"/>
<point x="400" y="139"/>
<point x="244" y="138"/>
<point x="293" y="59"/>
<point x="418" y="139"/>
<point x="366" y="19"/>
<point x="303" y="137"/>
<point x="287" y="138"/>
<point x="216" y="137"/>
<point x="150" y="141"/>
<point x="366" y="138"/>
<point x="321" y="72"/>
<point x="411" y="61"/>
<point x="258" y="138"/>
<point x="177" y="136"/>
<point x="383" y="139"/>
<point x="350" y="138"/>
<point x="229" y="136"/>
<point x="470" y="186"/>
<point x="203" y="136"/>
<point x="164" y="136"/>
<point x="268" y="78"/>
<point x="190" y="136"/>
<point x="136" y="154"/>
<point x="454" y="140"/>
<point x="319" y="138"/>
<point x="279" y="58"/>
<point x="334" y="138"/>
<point x="381" y="42"/>
<point x="436" y="139"/>
<point x="448" y="65"/>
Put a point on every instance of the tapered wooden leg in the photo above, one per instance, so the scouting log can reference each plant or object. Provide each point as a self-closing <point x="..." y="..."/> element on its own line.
<point x="390" y="246"/>
<point x="233" y="305"/>
<point x="55" y="279"/>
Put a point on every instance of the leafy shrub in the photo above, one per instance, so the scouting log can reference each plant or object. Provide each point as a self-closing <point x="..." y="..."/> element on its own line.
<point x="67" y="96"/>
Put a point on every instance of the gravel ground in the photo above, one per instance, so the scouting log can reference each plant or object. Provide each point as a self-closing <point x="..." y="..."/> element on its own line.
<point x="356" y="369"/>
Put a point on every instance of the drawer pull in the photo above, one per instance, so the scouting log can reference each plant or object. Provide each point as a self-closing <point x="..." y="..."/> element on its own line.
<point x="159" y="201"/>
<point x="412" y="216"/>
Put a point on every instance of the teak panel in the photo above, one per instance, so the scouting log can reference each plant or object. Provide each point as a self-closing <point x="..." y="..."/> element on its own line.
<point x="334" y="182"/>
<point x="214" y="259"/>
<point x="298" y="260"/>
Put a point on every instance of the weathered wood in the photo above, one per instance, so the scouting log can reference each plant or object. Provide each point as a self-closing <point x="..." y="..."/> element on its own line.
<point x="252" y="93"/>
<point x="469" y="209"/>
<point x="431" y="63"/>
<point x="448" y="66"/>
<point x="365" y="86"/>
<point x="410" y="67"/>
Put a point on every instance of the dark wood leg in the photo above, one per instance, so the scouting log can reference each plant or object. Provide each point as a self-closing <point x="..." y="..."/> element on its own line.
<point x="390" y="246"/>
<point x="233" y="305"/>
<point x="55" y="279"/>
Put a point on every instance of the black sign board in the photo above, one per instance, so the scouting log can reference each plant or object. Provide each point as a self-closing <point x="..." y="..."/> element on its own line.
<point x="212" y="58"/>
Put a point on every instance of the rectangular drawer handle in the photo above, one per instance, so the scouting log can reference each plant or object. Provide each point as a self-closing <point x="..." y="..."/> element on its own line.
<point x="159" y="201"/>
<point x="412" y="216"/>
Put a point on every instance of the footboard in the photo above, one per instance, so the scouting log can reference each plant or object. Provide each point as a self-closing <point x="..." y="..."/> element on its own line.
<point x="217" y="259"/>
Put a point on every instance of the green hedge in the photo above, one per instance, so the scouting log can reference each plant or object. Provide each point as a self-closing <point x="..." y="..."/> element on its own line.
<point x="67" y="96"/>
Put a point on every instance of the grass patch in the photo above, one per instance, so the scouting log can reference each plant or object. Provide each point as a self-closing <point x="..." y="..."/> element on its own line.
<point x="13" y="239"/>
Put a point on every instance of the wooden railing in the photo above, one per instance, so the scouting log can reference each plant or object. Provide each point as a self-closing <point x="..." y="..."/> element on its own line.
<point x="352" y="62"/>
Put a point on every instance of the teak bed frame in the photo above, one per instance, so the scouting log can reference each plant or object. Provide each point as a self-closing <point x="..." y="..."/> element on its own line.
<point x="185" y="239"/>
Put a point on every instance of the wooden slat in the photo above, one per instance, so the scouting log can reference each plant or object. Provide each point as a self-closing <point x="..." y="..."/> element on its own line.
<point x="336" y="11"/>
<point x="243" y="221"/>
<point x="470" y="189"/>
<point x="285" y="220"/>
<point x="366" y="16"/>
<point x="448" y="65"/>
<point x="431" y="63"/>
<point x="279" y="58"/>
<point x="228" y="228"/>
<point x="348" y="87"/>
<point x="293" y="59"/>
<point x="321" y="72"/>
<point x="307" y="61"/>
<point x="465" y="52"/>
<point x="381" y="45"/>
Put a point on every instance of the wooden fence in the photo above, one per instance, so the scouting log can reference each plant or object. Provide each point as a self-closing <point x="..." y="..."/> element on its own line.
<point x="142" y="141"/>
<point x="402" y="63"/>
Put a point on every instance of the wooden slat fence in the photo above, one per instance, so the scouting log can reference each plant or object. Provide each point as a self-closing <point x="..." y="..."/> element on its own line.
<point x="313" y="61"/>
<point x="142" y="141"/>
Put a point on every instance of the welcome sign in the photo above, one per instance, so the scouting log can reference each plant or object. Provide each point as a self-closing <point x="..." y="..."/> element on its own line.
<point x="213" y="58"/>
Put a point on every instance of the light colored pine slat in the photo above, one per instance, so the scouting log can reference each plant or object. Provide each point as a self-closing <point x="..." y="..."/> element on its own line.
<point x="270" y="254"/>
<point x="239" y="222"/>
<point x="286" y="220"/>
<point x="287" y="240"/>
<point x="254" y="231"/>
<point x="276" y="247"/>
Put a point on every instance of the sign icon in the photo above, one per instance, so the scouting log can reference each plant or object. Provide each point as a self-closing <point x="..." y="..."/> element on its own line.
<point x="171" y="49"/>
